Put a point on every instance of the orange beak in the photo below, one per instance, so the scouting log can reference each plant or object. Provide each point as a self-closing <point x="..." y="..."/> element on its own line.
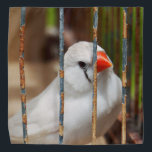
<point x="102" y="61"/>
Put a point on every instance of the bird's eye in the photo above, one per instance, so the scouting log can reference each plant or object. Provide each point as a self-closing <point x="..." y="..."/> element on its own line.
<point x="82" y="64"/>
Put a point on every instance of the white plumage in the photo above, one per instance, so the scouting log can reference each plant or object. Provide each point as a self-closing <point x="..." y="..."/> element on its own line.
<point x="43" y="110"/>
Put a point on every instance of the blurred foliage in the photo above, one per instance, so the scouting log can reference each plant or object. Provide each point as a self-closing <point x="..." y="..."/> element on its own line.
<point x="141" y="57"/>
<point x="51" y="17"/>
<point x="133" y="53"/>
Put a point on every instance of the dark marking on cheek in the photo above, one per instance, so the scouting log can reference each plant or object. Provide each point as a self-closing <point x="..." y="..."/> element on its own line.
<point x="86" y="75"/>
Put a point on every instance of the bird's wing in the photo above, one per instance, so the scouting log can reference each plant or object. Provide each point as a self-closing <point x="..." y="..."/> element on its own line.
<point x="42" y="116"/>
<point x="109" y="100"/>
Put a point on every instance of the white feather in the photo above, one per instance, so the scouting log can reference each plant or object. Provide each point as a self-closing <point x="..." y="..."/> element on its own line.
<point x="43" y="110"/>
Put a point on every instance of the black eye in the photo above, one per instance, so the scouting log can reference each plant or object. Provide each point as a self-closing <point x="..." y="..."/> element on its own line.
<point x="82" y="64"/>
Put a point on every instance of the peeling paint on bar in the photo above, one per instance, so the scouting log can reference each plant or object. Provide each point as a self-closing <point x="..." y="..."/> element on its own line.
<point x="124" y="54"/>
<point x="94" y="104"/>
<point x="23" y="98"/>
<point x="22" y="75"/>
<point x="124" y="91"/>
<point x="61" y="74"/>
<point x="124" y="78"/>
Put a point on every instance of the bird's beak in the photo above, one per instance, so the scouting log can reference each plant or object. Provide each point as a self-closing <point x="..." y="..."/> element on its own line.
<point x="103" y="61"/>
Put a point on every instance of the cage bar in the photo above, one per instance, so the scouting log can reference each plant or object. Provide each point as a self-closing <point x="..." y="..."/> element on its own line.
<point x="61" y="73"/>
<point x="94" y="104"/>
<point x="22" y="75"/>
<point x="124" y="79"/>
<point x="121" y="39"/>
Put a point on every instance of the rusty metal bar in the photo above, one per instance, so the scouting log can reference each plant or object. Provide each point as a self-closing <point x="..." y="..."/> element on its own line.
<point x="94" y="104"/>
<point x="61" y="73"/>
<point x="124" y="79"/>
<point x="22" y="75"/>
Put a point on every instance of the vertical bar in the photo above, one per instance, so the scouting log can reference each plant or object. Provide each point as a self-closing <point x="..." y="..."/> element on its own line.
<point x="94" y="105"/>
<point x="22" y="75"/>
<point x="61" y="72"/>
<point x="121" y="40"/>
<point x="124" y="79"/>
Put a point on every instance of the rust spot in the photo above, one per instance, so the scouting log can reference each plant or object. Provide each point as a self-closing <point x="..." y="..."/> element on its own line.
<point x="124" y="78"/>
<point x="62" y="100"/>
<point x="93" y="129"/>
<point x="24" y="118"/>
<point x="22" y="29"/>
<point x="61" y="74"/>
<point x="95" y="9"/>
<point x="22" y="83"/>
<point x="26" y="140"/>
<point x="95" y="79"/>
<point x="61" y="130"/>
<point x="22" y="76"/>
<point x="21" y="48"/>
<point x="94" y="33"/>
<point x="21" y="72"/>
<point x="94" y="112"/>
<point x="21" y="62"/>
<point x="124" y="25"/>
<point x="23" y="98"/>
<point x="123" y="139"/>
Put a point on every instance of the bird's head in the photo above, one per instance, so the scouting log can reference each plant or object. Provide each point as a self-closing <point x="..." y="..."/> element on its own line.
<point x="78" y="65"/>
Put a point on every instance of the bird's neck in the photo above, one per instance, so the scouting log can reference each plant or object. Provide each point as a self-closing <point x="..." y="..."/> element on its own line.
<point x="71" y="92"/>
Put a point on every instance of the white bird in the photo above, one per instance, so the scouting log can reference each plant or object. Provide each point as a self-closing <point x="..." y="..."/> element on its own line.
<point x="43" y="110"/>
